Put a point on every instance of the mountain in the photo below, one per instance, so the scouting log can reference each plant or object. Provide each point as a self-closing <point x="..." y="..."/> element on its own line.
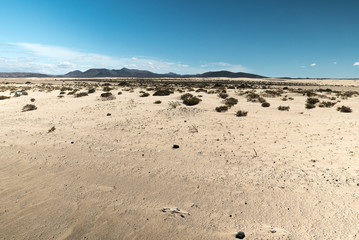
<point x="125" y="72"/>
<point x="22" y="75"/>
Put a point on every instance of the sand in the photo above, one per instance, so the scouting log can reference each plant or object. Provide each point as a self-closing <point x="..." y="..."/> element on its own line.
<point x="272" y="174"/>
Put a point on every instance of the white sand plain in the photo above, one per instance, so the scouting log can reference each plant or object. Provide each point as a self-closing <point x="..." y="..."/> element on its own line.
<point x="272" y="174"/>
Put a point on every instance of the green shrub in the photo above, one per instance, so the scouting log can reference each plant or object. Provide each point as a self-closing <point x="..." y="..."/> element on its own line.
<point x="222" y="109"/>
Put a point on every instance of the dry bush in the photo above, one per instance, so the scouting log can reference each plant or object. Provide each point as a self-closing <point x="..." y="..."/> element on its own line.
<point x="144" y="94"/>
<point x="221" y="109"/>
<point x="157" y="102"/>
<point x="344" y="109"/>
<point x="191" y="101"/>
<point x="163" y="92"/>
<point x="186" y="95"/>
<point x="81" y="94"/>
<point x="230" y="102"/>
<point x="241" y="113"/>
<point x="29" y="107"/>
<point x="265" y="104"/>
<point x="223" y="95"/>
<point x="107" y="96"/>
<point x="283" y="108"/>
<point x="4" y="97"/>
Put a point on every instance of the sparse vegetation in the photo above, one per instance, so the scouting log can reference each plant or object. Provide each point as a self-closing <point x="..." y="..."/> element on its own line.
<point x="283" y="108"/>
<point x="107" y="89"/>
<point x="344" y="109"/>
<point x="221" y="109"/>
<point x="163" y="92"/>
<point x="312" y="100"/>
<point x="107" y="96"/>
<point x="230" y="102"/>
<point x="172" y="104"/>
<point x="191" y="101"/>
<point x="81" y="94"/>
<point x="157" y="102"/>
<point x="52" y="129"/>
<point x="32" y="99"/>
<point x="144" y="94"/>
<point x="327" y="104"/>
<point x="29" y="107"/>
<point x="186" y="95"/>
<point x="91" y="90"/>
<point x="223" y="95"/>
<point x="309" y="105"/>
<point x="241" y="113"/>
<point x="4" y="97"/>
<point x="265" y="104"/>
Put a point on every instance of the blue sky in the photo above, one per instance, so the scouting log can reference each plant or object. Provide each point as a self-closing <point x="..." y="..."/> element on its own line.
<point x="276" y="38"/>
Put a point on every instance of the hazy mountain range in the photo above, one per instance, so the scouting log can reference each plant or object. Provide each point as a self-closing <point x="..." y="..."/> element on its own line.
<point x="125" y="72"/>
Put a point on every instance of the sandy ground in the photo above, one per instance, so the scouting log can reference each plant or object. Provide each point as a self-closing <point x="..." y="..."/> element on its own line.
<point x="272" y="174"/>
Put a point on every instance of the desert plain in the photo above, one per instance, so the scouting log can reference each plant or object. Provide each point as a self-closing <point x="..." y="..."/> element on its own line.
<point x="82" y="166"/>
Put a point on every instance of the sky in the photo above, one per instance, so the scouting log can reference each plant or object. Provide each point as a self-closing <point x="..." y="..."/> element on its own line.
<point x="276" y="38"/>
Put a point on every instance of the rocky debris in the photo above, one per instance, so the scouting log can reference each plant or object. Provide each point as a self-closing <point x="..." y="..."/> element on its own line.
<point x="240" y="235"/>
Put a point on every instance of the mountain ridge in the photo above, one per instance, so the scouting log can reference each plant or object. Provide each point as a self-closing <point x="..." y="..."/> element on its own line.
<point x="125" y="72"/>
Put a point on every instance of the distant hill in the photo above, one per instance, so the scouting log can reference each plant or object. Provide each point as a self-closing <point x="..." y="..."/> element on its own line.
<point x="22" y="75"/>
<point x="125" y="72"/>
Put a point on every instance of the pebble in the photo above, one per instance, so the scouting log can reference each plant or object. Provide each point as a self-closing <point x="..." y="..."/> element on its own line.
<point x="108" y="114"/>
<point x="175" y="146"/>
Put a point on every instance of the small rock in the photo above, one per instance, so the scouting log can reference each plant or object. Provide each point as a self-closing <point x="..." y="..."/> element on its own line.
<point x="72" y="142"/>
<point x="108" y="114"/>
<point x="175" y="146"/>
<point x="240" y="235"/>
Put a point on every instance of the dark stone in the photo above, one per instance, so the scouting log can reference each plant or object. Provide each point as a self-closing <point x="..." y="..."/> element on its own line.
<point x="72" y="142"/>
<point x="108" y="114"/>
<point x="240" y="235"/>
<point x="175" y="146"/>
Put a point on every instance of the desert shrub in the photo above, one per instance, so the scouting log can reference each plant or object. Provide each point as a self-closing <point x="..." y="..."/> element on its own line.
<point x="157" y="102"/>
<point x="172" y="104"/>
<point x="186" y="95"/>
<point x="150" y="89"/>
<point x="119" y="93"/>
<point x="347" y="94"/>
<point x="283" y="108"/>
<point x="252" y="97"/>
<point x="309" y="105"/>
<point x="163" y="92"/>
<point x="230" y="102"/>
<point x="81" y="94"/>
<point x="62" y="92"/>
<point x="52" y="129"/>
<point x="309" y="93"/>
<point x="24" y="93"/>
<point x="32" y="99"/>
<point x="261" y="100"/>
<point x="106" y="89"/>
<point x="191" y="101"/>
<point x="272" y="93"/>
<point x="221" y="109"/>
<point x="29" y="107"/>
<point x="241" y="113"/>
<point x="265" y="104"/>
<point x="290" y="98"/>
<point x="223" y="95"/>
<point x="107" y="96"/>
<point x="312" y="100"/>
<point x="4" y="97"/>
<point x="344" y="109"/>
<point x="92" y="90"/>
<point x="327" y="104"/>
<point x="201" y="90"/>
<point x="60" y="96"/>
<point x="144" y="94"/>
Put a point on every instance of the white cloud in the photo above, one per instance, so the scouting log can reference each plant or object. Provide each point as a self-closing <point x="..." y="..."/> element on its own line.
<point x="32" y="57"/>
<point x="217" y="66"/>
<point x="313" y="64"/>
<point x="334" y="62"/>
<point x="356" y="64"/>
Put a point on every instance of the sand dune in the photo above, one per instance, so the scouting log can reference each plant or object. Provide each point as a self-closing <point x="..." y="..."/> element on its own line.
<point x="272" y="174"/>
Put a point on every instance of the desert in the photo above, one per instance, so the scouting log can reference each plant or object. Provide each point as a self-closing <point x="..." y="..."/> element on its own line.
<point x="127" y="158"/>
